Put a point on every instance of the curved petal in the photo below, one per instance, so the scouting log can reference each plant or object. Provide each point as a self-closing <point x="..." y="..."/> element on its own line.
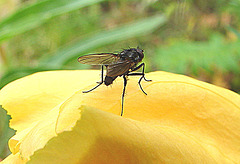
<point x="211" y="112"/>
<point x="101" y="137"/>
<point x="28" y="99"/>
<point x="180" y="116"/>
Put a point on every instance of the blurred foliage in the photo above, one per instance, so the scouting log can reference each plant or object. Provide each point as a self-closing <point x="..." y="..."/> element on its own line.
<point x="202" y="58"/>
<point x="5" y="133"/>
<point x="197" y="38"/>
<point x="195" y="56"/>
<point x="34" y="15"/>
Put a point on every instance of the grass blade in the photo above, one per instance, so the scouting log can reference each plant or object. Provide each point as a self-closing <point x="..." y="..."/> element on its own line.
<point x="34" y="15"/>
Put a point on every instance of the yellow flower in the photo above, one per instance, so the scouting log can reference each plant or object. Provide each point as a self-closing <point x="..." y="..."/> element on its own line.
<point x="181" y="120"/>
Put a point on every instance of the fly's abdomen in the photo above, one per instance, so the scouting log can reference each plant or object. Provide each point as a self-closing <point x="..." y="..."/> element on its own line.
<point x="109" y="80"/>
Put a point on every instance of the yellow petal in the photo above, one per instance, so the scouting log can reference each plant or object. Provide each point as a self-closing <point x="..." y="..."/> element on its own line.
<point x="35" y="137"/>
<point x="198" y="108"/>
<point x="186" y="118"/>
<point x="30" y="98"/>
<point x="15" y="141"/>
<point x="101" y="137"/>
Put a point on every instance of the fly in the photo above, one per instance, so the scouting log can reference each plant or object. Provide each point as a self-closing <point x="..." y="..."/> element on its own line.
<point x="120" y="64"/>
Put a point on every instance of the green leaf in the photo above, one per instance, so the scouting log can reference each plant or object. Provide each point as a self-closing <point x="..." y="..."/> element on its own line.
<point x="139" y="28"/>
<point x="34" y="15"/>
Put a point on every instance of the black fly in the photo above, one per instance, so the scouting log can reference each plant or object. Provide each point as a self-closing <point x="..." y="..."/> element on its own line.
<point x="121" y="64"/>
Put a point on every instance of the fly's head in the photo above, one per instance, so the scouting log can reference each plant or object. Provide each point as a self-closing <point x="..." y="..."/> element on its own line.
<point x="133" y="54"/>
<point x="140" y="53"/>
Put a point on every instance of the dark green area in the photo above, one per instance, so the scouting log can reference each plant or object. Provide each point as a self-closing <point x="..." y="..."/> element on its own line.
<point x="5" y="133"/>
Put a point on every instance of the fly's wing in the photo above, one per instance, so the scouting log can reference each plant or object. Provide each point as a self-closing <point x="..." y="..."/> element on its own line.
<point x="99" y="59"/>
<point x="118" y="69"/>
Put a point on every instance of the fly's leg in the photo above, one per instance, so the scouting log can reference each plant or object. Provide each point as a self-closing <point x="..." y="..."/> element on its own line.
<point x="139" y="81"/>
<point x="123" y="94"/>
<point x="99" y="83"/>
<point x="143" y="73"/>
<point x="139" y="74"/>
